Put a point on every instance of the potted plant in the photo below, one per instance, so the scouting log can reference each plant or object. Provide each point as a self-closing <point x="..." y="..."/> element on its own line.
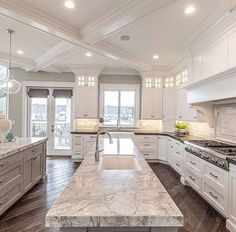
<point x="181" y="128"/>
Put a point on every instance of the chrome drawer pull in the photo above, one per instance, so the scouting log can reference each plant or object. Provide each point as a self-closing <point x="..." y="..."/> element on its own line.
<point x="192" y="162"/>
<point x="213" y="195"/>
<point x="146" y="154"/>
<point x="177" y="164"/>
<point x="146" y="137"/>
<point x="213" y="175"/>
<point x="192" y="178"/>
<point x="3" y="164"/>
<point x="146" y="145"/>
<point x="177" y="153"/>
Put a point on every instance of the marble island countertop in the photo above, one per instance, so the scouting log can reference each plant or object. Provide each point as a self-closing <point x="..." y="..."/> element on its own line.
<point x="10" y="148"/>
<point x="113" y="198"/>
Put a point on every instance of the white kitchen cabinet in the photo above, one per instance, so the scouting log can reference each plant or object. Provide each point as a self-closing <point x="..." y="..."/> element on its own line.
<point x="184" y="111"/>
<point x="231" y="222"/>
<point x="162" y="148"/>
<point x="232" y="50"/>
<point x="197" y="68"/>
<point x="214" y="59"/>
<point x="82" y="145"/>
<point x="152" y="103"/>
<point x="86" y="102"/>
<point x="169" y="106"/>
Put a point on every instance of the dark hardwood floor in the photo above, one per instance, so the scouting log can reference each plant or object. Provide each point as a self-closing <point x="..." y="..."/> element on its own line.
<point x="28" y="213"/>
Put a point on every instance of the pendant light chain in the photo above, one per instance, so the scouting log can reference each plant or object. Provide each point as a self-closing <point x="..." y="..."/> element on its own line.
<point x="10" y="51"/>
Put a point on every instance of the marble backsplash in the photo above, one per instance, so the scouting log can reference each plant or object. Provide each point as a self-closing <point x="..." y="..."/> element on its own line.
<point x="202" y="130"/>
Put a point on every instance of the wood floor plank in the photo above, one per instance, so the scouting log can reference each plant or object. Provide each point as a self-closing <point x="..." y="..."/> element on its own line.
<point x="28" y="214"/>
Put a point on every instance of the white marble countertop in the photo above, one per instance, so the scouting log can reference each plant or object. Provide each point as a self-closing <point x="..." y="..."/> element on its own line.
<point x="111" y="198"/>
<point x="10" y="148"/>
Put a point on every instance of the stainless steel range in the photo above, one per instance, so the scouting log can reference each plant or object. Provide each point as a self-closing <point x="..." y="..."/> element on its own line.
<point x="212" y="151"/>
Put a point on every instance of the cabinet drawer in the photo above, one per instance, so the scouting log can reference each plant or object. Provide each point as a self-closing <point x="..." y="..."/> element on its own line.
<point x="147" y="145"/>
<point x="194" y="179"/>
<point x="146" y="138"/>
<point x="177" y="165"/>
<point x="91" y="137"/>
<point x="178" y="145"/>
<point x="149" y="154"/>
<point x="177" y="155"/>
<point x="216" y="175"/>
<point x="78" y="137"/>
<point x="8" y="161"/>
<point x="194" y="163"/>
<point x="217" y="199"/>
<point x="78" y="148"/>
<point x="78" y="155"/>
<point x="10" y="196"/>
<point x="10" y="174"/>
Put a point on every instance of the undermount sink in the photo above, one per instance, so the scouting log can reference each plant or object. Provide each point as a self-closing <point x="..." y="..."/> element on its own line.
<point x="119" y="162"/>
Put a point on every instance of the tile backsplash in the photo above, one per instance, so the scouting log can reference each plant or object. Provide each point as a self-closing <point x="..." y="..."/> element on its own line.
<point x="202" y="130"/>
<point x="153" y="125"/>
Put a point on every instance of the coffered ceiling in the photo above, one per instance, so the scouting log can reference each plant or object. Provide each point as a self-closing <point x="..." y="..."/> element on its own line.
<point x="54" y="37"/>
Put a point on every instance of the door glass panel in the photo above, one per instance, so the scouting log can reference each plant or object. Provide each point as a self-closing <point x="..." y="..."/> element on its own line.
<point x="38" y="117"/>
<point x="111" y="102"/>
<point x="127" y="108"/>
<point x="62" y="136"/>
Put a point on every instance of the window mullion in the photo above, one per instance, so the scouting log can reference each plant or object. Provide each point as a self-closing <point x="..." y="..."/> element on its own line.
<point x="118" y="120"/>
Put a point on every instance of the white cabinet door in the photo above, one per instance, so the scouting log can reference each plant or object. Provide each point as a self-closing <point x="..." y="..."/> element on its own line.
<point x="169" y="97"/>
<point x="91" y="103"/>
<point x="231" y="222"/>
<point x="86" y="103"/>
<point x="152" y="103"/>
<point x="162" y="148"/>
<point x="147" y="103"/>
<point x="232" y="50"/>
<point x="157" y="103"/>
<point x="184" y="111"/>
<point x="197" y="68"/>
<point x="80" y="102"/>
<point x="215" y="59"/>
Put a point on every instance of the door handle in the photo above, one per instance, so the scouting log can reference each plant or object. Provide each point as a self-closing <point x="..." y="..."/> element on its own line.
<point x="52" y="128"/>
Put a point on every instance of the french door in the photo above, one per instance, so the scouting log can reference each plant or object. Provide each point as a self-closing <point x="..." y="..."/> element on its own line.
<point x="49" y="115"/>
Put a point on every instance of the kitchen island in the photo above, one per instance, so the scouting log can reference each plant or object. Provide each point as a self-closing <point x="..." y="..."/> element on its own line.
<point x="22" y="165"/>
<point x="114" y="200"/>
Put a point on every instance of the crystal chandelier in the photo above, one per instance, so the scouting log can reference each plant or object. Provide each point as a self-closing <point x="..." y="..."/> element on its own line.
<point x="11" y="86"/>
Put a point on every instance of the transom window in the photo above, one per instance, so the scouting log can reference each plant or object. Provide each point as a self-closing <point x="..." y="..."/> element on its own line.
<point x="91" y="81"/>
<point x="182" y="77"/>
<point x="80" y="80"/>
<point x="169" y="82"/>
<point x="153" y="82"/>
<point x="86" y="81"/>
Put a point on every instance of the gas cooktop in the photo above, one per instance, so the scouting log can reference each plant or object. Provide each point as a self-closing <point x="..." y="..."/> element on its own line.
<point x="228" y="151"/>
<point x="211" y="143"/>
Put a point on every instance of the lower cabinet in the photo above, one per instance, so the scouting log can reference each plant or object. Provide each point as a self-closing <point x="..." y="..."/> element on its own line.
<point x="19" y="172"/>
<point x="82" y="144"/>
<point x="231" y="222"/>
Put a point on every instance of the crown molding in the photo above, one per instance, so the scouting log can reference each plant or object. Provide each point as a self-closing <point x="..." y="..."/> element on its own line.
<point x="57" y="53"/>
<point x="119" y="71"/>
<point x="86" y="69"/>
<point x="120" y="18"/>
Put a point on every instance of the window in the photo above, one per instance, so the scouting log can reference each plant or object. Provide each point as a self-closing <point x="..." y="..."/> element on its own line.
<point x="86" y="81"/>
<point x="152" y="82"/>
<point x="182" y="77"/>
<point x="80" y="80"/>
<point x="3" y="96"/>
<point x="119" y="105"/>
<point x="91" y="81"/>
<point x="169" y="82"/>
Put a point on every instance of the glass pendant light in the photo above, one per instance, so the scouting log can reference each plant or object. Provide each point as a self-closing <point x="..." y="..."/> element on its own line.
<point x="11" y="86"/>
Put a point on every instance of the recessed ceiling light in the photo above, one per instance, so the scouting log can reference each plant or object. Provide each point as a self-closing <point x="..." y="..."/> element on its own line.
<point x="88" y="54"/>
<point x="155" y="57"/>
<point x="125" y="37"/>
<point x="20" y="52"/>
<point x="69" y="4"/>
<point x="189" y="10"/>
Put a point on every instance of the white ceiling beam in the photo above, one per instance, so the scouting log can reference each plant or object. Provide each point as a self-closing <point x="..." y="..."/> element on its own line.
<point x="55" y="54"/>
<point x="17" y="61"/>
<point x="41" y="21"/>
<point x="120" y="18"/>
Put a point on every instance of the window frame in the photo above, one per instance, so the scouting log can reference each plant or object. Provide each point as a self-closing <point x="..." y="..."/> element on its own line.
<point x="120" y="87"/>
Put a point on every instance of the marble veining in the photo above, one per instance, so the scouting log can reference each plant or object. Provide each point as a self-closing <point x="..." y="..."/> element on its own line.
<point x="10" y="148"/>
<point x="112" y="198"/>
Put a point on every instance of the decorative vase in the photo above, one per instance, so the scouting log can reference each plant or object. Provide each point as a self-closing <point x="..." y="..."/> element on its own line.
<point x="5" y="126"/>
<point x="181" y="132"/>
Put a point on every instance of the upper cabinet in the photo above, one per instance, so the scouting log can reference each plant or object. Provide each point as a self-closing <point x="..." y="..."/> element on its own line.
<point x="86" y="100"/>
<point x="216" y="58"/>
<point x="152" y="98"/>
